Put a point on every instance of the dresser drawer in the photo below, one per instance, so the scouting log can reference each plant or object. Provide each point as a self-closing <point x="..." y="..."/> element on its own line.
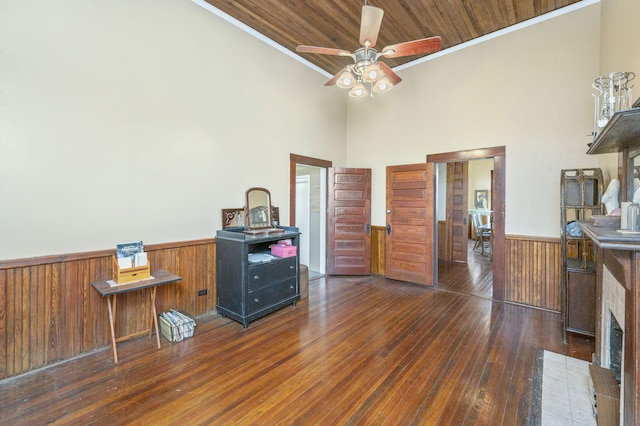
<point x="272" y="294"/>
<point x="264" y="274"/>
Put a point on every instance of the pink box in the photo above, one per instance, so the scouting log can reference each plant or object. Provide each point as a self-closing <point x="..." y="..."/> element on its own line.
<point x="282" y="250"/>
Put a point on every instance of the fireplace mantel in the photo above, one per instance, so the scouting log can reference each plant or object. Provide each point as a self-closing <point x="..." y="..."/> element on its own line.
<point x="620" y="253"/>
<point x="609" y="238"/>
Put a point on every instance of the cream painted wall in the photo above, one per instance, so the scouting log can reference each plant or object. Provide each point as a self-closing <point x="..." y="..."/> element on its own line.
<point x="124" y="120"/>
<point x="618" y="52"/>
<point x="109" y="109"/>
<point x="529" y="91"/>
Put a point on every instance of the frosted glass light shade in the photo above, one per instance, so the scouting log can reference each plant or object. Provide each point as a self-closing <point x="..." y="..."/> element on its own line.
<point x="372" y="73"/>
<point x="358" y="91"/>
<point x="346" y="80"/>
<point x="383" y="85"/>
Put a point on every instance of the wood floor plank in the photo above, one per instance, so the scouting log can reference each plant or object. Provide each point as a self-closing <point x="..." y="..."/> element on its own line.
<point x="359" y="350"/>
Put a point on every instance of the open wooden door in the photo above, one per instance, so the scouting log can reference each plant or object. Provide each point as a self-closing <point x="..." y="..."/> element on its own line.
<point x="457" y="210"/>
<point x="409" y="238"/>
<point x="349" y="221"/>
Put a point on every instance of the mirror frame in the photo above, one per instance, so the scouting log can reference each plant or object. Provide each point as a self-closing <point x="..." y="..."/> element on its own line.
<point x="249" y="225"/>
<point x="630" y="172"/>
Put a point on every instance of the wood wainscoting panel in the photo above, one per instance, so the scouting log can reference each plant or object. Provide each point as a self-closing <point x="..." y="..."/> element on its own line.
<point x="533" y="271"/>
<point x="533" y="267"/>
<point x="50" y="312"/>
<point x="378" y="235"/>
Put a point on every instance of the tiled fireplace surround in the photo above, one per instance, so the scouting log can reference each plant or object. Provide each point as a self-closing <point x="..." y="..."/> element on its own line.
<point x="618" y="292"/>
<point x="612" y="303"/>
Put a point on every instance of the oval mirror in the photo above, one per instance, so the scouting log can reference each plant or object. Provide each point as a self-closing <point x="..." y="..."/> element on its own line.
<point x="258" y="208"/>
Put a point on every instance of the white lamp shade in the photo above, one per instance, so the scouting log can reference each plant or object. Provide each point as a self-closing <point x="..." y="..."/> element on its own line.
<point x="346" y="80"/>
<point x="383" y="85"/>
<point x="372" y="73"/>
<point x="358" y="91"/>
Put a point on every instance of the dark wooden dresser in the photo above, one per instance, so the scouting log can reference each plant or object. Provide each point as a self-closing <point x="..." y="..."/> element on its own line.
<point x="250" y="282"/>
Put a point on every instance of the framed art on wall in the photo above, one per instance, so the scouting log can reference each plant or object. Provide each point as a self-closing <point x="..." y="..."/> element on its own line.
<point x="481" y="199"/>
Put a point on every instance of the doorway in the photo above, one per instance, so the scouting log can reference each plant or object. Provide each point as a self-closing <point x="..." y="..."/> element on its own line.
<point x="311" y="196"/>
<point x="472" y="273"/>
<point x="307" y="209"/>
<point x="498" y="155"/>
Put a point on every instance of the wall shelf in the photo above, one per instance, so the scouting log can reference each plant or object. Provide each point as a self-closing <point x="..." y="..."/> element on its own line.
<point x="622" y="131"/>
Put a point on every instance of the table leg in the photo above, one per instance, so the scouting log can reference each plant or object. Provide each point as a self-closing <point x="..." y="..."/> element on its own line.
<point x="155" y="315"/>
<point x="112" y="318"/>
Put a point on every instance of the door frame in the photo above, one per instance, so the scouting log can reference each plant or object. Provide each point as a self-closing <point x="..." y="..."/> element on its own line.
<point x="300" y="159"/>
<point x="294" y="160"/>
<point x="303" y="224"/>
<point x="498" y="154"/>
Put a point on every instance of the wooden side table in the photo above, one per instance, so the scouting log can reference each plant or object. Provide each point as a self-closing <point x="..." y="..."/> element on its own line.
<point x="108" y="289"/>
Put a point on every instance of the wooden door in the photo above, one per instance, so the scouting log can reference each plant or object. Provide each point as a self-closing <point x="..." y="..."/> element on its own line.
<point x="409" y="239"/>
<point x="457" y="210"/>
<point x="349" y="222"/>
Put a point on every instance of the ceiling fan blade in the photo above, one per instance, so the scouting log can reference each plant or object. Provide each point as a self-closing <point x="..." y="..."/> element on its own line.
<point x="388" y="72"/>
<point x="322" y="50"/>
<point x="415" y="47"/>
<point x="370" y="25"/>
<point x="334" y="79"/>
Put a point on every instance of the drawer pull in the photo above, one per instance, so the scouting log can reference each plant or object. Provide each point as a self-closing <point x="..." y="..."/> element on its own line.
<point x="291" y="287"/>
<point x="292" y="267"/>
<point x="255" y="277"/>
<point x="256" y="300"/>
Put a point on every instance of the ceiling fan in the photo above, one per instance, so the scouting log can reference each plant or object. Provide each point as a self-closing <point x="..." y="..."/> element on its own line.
<point x="366" y="67"/>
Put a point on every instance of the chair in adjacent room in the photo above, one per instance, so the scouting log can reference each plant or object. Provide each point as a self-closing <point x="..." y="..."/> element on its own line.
<point x="483" y="232"/>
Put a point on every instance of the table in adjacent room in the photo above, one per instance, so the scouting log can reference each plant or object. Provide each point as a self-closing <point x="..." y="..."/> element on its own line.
<point x="110" y="290"/>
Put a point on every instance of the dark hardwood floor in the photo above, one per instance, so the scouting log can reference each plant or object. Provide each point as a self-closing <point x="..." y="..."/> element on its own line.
<point x="359" y="350"/>
<point x="474" y="277"/>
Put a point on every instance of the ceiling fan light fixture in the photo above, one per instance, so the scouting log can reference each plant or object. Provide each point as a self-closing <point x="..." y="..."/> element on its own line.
<point x="372" y="73"/>
<point x="346" y="80"/>
<point x="358" y="91"/>
<point x="382" y="85"/>
<point x="366" y="75"/>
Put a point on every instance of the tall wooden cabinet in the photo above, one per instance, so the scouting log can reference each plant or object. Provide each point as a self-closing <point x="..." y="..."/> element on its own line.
<point x="580" y="194"/>
<point x="250" y="282"/>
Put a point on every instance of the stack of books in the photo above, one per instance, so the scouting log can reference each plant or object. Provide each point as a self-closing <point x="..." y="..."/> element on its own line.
<point x="176" y="326"/>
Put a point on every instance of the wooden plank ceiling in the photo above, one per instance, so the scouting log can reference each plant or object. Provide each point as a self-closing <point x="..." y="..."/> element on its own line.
<point x="336" y="24"/>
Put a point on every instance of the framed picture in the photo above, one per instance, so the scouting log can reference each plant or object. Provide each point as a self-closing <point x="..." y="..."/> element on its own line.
<point x="232" y="218"/>
<point x="481" y="200"/>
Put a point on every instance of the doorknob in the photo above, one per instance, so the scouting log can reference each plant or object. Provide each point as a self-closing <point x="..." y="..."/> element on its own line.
<point x="388" y="229"/>
<point x="368" y="228"/>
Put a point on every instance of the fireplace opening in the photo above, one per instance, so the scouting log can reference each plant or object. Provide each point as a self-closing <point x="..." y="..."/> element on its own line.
<point x="616" y="338"/>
